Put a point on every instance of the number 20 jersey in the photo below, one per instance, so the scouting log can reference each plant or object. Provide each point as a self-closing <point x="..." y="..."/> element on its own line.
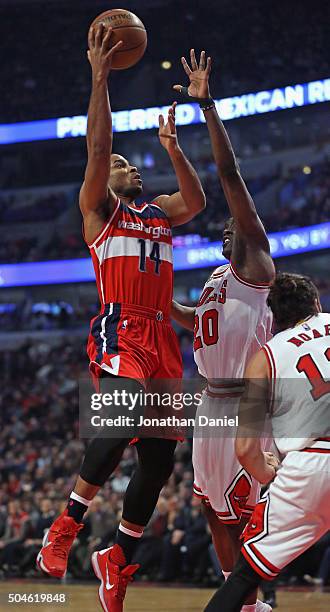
<point x="132" y="258"/>
<point x="232" y="322"/>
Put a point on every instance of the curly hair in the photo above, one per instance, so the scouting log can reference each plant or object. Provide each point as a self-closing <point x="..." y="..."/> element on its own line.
<point x="292" y="298"/>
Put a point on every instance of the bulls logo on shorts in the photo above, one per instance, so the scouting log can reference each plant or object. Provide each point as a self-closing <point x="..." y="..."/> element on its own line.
<point x="256" y="523"/>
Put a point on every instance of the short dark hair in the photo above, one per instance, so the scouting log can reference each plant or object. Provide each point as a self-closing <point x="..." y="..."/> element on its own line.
<point x="292" y="298"/>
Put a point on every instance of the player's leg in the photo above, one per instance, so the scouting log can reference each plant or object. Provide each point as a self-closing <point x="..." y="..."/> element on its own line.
<point x="221" y="540"/>
<point x="269" y="543"/>
<point x="101" y="459"/>
<point x="155" y="465"/>
<point x="112" y="566"/>
<point x="230" y="491"/>
<point x="231" y="597"/>
<point x="226" y="540"/>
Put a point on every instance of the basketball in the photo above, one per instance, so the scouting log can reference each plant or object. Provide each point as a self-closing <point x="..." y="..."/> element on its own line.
<point x="128" y="28"/>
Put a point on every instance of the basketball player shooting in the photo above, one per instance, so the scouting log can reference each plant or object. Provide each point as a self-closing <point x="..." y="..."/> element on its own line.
<point x="231" y="322"/>
<point x="290" y="377"/>
<point x="131" y="338"/>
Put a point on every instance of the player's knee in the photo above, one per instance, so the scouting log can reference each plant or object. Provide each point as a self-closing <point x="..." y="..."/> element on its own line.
<point x="166" y="469"/>
<point x="244" y="571"/>
<point x="157" y="462"/>
<point x="101" y="458"/>
<point x="159" y="472"/>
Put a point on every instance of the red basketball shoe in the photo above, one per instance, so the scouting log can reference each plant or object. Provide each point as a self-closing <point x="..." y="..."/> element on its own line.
<point x="114" y="580"/>
<point x="56" y="545"/>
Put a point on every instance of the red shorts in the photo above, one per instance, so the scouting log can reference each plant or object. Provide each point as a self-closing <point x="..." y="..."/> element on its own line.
<point x="133" y="342"/>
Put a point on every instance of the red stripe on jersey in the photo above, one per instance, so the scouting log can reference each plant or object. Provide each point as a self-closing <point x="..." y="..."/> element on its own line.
<point x="255" y="566"/>
<point x="272" y="371"/>
<point x="227" y="385"/>
<point x="260" y="286"/>
<point x="222" y="395"/>
<point x="272" y="568"/>
<point x="132" y="258"/>
<point x="324" y="451"/>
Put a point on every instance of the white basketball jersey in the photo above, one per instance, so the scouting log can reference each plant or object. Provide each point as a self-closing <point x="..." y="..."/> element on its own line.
<point x="232" y="322"/>
<point x="299" y="362"/>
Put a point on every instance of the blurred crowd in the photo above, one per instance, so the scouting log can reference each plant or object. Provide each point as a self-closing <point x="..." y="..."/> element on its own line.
<point x="40" y="457"/>
<point x="40" y="448"/>
<point x="303" y="198"/>
<point x="253" y="46"/>
<point x="46" y="316"/>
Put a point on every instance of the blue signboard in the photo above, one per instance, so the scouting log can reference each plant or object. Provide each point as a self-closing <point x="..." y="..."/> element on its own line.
<point x="290" y="242"/>
<point x="233" y="107"/>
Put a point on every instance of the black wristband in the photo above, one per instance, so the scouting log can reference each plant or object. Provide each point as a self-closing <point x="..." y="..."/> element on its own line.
<point x="204" y="103"/>
<point x="207" y="106"/>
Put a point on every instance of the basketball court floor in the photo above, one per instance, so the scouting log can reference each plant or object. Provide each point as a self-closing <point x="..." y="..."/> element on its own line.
<point x="144" y="598"/>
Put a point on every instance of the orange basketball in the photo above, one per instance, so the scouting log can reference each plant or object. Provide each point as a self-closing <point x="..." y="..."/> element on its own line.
<point x="128" y="28"/>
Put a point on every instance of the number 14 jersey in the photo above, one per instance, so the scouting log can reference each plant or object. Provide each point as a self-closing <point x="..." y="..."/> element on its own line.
<point x="232" y="322"/>
<point x="132" y="258"/>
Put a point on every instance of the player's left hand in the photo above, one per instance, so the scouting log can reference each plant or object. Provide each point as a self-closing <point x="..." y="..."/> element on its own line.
<point x="167" y="131"/>
<point x="198" y="75"/>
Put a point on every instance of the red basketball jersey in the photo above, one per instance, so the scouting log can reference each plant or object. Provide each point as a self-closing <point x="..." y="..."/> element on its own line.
<point x="132" y="258"/>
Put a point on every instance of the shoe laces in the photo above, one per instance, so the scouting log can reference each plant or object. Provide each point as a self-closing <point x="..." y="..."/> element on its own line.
<point x="63" y="540"/>
<point x="121" y="586"/>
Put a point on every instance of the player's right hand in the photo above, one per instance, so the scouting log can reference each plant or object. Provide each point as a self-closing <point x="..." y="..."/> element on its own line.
<point x="272" y="460"/>
<point x="198" y="75"/>
<point x="100" y="52"/>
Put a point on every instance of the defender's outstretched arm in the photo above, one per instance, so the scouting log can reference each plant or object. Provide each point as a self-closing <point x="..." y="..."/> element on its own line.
<point x="251" y="254"/>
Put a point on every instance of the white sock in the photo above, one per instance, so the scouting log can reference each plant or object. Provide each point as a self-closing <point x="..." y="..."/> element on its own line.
<point x="249" y="608"/>
<point x="226" y="575"/>
<point x="129" y="532"/>
<point x="261" y="606"/>
<point x="81" y="500"/>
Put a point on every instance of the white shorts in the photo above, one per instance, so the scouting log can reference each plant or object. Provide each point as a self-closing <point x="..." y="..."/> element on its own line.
<point x="219" y="479"/>
<point x="292" y="515"/>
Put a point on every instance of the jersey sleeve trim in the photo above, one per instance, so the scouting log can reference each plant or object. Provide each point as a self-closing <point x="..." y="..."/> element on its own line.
<point x="270" y="360"/>
<point x="240" y="279"/>
<point x="159" y="207"/>
<point x="104" y="228"/>
<point x="220" y="273"/>
<point x="272" y="374"/>
<point x="163" y="211"/>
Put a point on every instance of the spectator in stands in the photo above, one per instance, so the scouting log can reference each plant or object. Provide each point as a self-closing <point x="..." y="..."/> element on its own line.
<point x="185" y="547"/>
<point x="149" y="551"/>
<point x="32" y="545"/>
<point x="17" y="530"/>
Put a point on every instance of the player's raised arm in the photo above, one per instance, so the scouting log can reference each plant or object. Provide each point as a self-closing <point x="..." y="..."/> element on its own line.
<point x="182" y="206"/>
<point x="184" y="315"/>
<point x="250" y="255"/>
<point x="253" y="407"/>
<point x="95" y="195"/>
